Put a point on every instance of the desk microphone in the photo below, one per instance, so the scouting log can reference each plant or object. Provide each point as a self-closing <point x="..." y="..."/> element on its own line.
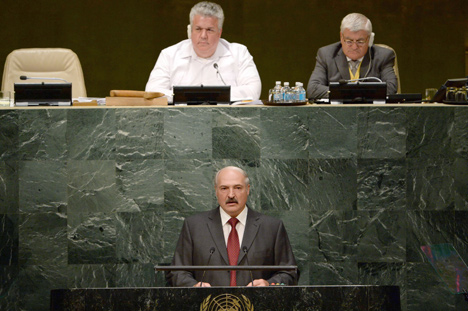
<point x="212" y="250"/>
<point x="343" y="81"/>
<point x="244" y="249"/>
<point x="215" y="65"/>
<point x="39" y="78"/>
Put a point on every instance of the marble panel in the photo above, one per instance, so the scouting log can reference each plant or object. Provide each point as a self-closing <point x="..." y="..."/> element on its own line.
<point x="42" y="135"/>
<point x="382" y="236"/>
<point x="334" y="236"/>
<point x="9" y="187"/>
<point x="139" y="134"/>
<point x="188" y="191"/>
<point x="187" y="133"/>
<point x="333" y="184"/>
<point x="333" y="273"/>
<point x="460" y="132"/>
<point x="91" y="134"/>
<point x="9" y="239"/>
<point x="93" y="241"/>
<point x="297" y="224"/>
<point x="381" y="184"/>
<point x="460" y="184"/>
<point x="9" y="133"/>
<point x="426" y="228"/>
<point x="284" y="184"/>
<point x="284" y="133"/>
<point x="136" y="275"/>
<point x="428" y="136"/>
<point x="380" y="273"/>
<point x="43" y="186"/>
<point x="236" y="133"/>
<point x="92" y="276"/>
<point x="9" y="291"/>
<point x="430" y="184"/>
<point x="381" y="133"/>
<point x="43" y="239"/>
<point x="426" y="291"/>
<point x="139" y="237"/>
<point x="142" y="182"/>
<point x="92" y="187"/>
<point x="35" y="283"/>
<point x="333" y="132"/>
<point x="461" y="234"/>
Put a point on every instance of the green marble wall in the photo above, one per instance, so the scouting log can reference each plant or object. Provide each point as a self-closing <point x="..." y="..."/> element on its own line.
<point x="96" y="197"/>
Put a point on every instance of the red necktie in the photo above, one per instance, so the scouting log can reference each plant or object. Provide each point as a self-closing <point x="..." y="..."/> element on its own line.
<point x="233" y="248"/>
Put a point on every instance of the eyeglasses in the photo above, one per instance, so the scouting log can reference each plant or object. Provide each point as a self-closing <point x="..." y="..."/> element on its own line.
<point x="359" y="43"/>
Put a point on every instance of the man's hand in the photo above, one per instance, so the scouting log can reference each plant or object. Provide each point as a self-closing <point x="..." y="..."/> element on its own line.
<point x="199" y="284"/>
<point x="259" y="282"/>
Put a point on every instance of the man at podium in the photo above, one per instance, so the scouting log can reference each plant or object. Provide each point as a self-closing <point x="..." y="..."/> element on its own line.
<point x="206" y="59"/>
<point x="232" y="234"/>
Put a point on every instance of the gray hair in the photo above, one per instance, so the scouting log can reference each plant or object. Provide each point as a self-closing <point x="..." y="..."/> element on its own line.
<point x="247" y="180"/>
<point x="206" y="9"/>
<point x="356" y="22"/>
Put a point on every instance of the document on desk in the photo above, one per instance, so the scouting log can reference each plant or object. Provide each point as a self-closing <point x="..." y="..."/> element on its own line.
<point x="99" y="100"/>
<point x="247" y="102"/>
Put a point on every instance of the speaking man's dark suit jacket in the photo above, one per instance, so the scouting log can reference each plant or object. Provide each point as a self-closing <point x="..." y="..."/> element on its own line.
<point x="332" y="66"/>
<point x="265" y="239"/>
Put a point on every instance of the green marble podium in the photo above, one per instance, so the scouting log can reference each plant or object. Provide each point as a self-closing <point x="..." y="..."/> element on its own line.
<point x="95" y="197"/>
<point x="278" y="298"/>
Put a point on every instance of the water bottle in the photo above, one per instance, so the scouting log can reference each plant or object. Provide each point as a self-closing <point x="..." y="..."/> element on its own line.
<point x="288" y="93"/>
<point x="300" y="93"/>
<point x="276" y="96"/>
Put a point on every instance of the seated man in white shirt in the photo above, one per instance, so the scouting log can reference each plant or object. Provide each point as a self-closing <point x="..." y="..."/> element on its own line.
<point x="192" y="61"/>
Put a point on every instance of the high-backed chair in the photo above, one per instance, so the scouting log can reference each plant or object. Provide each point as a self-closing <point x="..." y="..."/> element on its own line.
<point x="44" y="62"/>
<point x="395" y="66"/>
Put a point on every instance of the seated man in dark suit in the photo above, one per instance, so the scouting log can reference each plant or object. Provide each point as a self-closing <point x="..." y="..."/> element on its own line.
<point x="353" y="57"/>
<point x="232" y="234"/>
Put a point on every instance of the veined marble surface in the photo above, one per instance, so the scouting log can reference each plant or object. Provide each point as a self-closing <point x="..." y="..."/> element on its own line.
<point x="96" y="197"/>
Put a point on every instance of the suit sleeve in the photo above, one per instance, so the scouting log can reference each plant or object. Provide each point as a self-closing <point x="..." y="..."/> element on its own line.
<point x="182" y="257"/>
<point x="387" y="73"/>
<point x="318" y="82"/>
<point x="284" y="257"/>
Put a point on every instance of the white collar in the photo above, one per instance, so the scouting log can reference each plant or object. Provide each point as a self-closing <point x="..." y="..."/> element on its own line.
<point x="242" y="217"/>
<point x="360" y="59"/>
<point x="221" y="51"/>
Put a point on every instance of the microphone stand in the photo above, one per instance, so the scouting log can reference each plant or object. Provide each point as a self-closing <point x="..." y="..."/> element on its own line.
<point x="212" y="250"/>
<point x="247" y="260"/>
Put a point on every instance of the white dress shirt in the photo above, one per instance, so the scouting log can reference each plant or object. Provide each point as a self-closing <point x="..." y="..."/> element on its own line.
<point x="240" y="227"/>
<point x="179" y="65"/>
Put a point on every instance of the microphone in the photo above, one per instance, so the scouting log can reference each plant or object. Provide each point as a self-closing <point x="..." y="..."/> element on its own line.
<point x="212" y="250"/>
<point x="39" y="78"/>
<point x="343" y="81"/>
<point x="215" y="65"/>
<point x="244" y="249"/>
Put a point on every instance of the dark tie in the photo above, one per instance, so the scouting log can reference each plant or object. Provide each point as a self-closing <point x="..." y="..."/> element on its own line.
<point x="233" y="248"/>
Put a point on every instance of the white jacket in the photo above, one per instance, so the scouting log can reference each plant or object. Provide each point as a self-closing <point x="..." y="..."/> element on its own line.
<point x="179" y="65"/>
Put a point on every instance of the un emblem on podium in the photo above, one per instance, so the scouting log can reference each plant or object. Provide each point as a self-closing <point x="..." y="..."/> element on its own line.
<point x="226" y="302"/>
